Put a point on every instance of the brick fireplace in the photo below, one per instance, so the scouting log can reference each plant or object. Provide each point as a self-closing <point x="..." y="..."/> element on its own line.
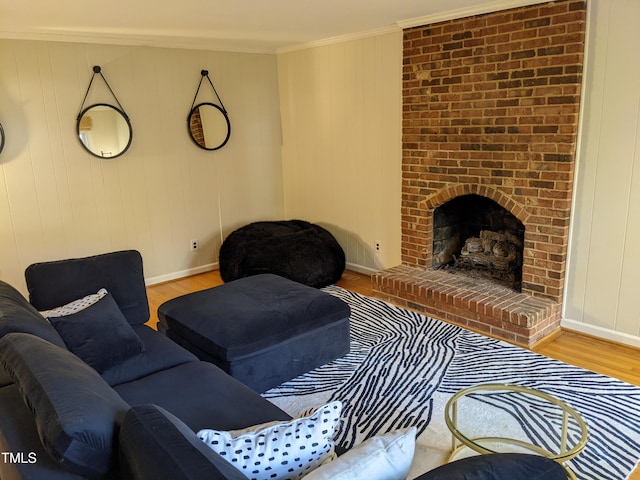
<point x="490" y="110"/>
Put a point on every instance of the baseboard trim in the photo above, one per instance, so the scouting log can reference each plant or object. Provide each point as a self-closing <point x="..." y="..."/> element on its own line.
<point x="214" y="266"/>
<point x="181" y="274"/>
<point x="600" y="332"/>
<point x="361" y="269"/>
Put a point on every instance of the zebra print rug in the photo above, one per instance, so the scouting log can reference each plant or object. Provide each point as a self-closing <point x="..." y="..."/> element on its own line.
<point x="403" y="367"/>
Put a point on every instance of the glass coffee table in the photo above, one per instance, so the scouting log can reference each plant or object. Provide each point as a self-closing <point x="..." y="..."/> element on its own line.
<point x="499" y="418"/>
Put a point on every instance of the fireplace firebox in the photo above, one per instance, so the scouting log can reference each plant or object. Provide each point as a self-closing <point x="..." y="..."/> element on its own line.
<point x="475" y="235"/>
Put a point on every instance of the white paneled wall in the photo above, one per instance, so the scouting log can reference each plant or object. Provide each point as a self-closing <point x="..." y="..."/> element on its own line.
<point x="341" y="119"/>
<point x="603" y="280"/>
<point x="58" y="201"/>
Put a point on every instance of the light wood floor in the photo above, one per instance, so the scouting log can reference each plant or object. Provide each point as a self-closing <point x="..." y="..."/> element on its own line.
<point x="612" y="359"/>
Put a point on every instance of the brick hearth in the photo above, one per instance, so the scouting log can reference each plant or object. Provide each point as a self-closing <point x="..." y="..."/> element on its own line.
<point x="490" y="107"/>
<point x="478" y="304"/>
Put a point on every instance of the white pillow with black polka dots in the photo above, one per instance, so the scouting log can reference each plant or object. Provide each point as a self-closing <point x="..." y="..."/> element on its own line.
<point x="285" y="450"/>
<point x="75" y="306"/>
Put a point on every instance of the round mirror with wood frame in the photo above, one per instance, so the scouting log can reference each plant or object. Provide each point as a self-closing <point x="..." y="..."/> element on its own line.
<point x="104" y="130"/>
<point x="1" y="138"/>
<point x="209" y="126"/>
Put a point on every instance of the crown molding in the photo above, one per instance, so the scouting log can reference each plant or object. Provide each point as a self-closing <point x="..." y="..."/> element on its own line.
<point x="156" y="41"/>
<point x="480" y="9"/>
<point x="341" y="38"/>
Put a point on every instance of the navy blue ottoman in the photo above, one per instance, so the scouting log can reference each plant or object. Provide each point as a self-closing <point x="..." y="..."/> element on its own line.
<point x="262" y="330"/>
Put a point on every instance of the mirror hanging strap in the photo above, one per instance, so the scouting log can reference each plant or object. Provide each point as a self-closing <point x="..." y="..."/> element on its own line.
<point x="205" y="73"/>
<point x="97" y="69"/>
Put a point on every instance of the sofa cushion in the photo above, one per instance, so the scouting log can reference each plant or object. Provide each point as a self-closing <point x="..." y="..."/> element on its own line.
<point x="155" y="444"/>
<point x="18" y="315"/>
<point x="75" y="411"/>
<point x="202" y="396"/>
<point x="56" y="283"/>
<point x="159" y="353"/>
<point x="499" y="466"/>
<point x="99" y="334"/>
<point x="279" y="450"/>
<point x="383" y="457"/>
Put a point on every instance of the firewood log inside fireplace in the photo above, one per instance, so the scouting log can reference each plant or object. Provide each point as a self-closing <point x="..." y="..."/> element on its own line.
<point x="492" y="250"/>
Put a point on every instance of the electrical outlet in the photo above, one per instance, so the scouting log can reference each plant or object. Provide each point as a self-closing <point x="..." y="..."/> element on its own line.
<point x="194" y="245"/>
<point x="378" y="244"/>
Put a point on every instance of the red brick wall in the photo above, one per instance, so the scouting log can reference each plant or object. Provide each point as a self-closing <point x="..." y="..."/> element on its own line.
<point x="490" y="106"/>
<point x="195" y="126"/>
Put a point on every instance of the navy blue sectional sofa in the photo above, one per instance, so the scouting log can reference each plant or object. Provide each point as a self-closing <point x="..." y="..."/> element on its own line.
<point x="108" y="397"/>
<point x="58" y="411"/>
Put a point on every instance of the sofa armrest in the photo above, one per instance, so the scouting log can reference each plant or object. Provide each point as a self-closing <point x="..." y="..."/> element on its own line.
<point x="499" y="466"/>
<point x="155" y="444"/>
<point x="18" y="315"/>
<point x="5" y="379"/>
<point x="76" y="413"/>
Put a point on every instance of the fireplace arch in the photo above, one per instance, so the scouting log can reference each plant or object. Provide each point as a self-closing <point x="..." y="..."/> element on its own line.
<point x="457" y="190"/>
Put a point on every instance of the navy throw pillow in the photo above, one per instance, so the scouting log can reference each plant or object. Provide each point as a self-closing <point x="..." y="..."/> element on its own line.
<point x="75" y="411"/>
<point x="99" y="334"/>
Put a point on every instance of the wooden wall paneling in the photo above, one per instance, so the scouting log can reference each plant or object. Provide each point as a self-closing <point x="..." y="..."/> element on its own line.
<point x="337" y="120"/>
<point x="44" y="157"/>
<point x="187" y="162"/>
<point x="602" y="278"/>
<point x="9" y="99"/>
<point x="343" y="192"/>
<point x="354" y="184"/>
<point x="585" y="177"/>
<point x="59" y="201"/>
<point x="370" y="160"/>
<point x="391" y="133"/>
<point x="610" y="168"/>
<point x="628" y="320"/>
<point x="250" y="157"/>
<point x="21" y="173"/>
<point x="176" y="79"/>
<point x="64" y="87"/>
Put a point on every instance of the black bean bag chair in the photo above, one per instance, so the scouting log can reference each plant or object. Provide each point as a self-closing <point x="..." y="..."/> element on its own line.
<point x="293" y="249"/>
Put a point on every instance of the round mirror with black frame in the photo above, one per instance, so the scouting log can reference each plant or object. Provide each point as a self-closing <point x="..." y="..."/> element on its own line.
<point x="1" y="138"/>
<point x="104" y="130"/>
<point x="209" y="126"/>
